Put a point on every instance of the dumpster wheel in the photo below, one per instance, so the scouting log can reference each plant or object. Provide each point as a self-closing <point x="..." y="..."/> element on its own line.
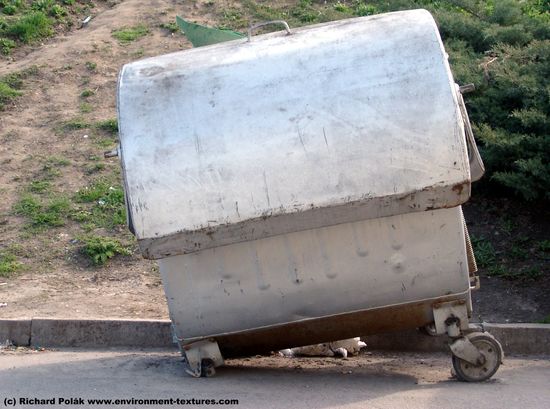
<point x="492" y="353"/>
<point x="207" y="368"/>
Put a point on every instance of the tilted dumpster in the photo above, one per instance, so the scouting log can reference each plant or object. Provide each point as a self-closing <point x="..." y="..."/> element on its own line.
<point x="305" y="186"/>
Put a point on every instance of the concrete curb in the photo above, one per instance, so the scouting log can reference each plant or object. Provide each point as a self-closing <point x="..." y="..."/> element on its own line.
<point x="523" y="339"/>
<point x="86" y="333"/>
<point x="17" y="331"/>
<point x="516" y="339"/>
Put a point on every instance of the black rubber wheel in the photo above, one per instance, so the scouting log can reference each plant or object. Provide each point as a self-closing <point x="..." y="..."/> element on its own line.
<point x="492" y="352"/>
<point x="207" y="368"/>
<point x="428" y="330"/>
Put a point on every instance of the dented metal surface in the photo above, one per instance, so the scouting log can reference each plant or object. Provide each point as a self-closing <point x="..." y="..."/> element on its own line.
<point x="340" y="122"/>
<point x="318" y="273"/>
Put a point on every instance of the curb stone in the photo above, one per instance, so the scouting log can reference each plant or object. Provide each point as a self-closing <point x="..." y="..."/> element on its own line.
<point x="18" y="331"/>
<point x="522" y="339"/>
<point x="516" y="339"/>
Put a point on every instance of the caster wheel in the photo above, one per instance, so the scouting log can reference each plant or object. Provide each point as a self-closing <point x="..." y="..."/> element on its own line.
<point x="429" y="330"/>
<point x="492" y="353"/>
<point x="207" y="368"/>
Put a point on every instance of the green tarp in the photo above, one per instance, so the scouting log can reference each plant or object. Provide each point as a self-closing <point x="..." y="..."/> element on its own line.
<point x="202" y="35"/>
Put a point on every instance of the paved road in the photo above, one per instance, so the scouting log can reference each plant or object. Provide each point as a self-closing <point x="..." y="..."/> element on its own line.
<point x="369" y="381"/>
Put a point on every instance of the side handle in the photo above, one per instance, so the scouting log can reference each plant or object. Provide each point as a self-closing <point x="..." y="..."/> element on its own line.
<point x="477" y="169"/>
<point x="266" y="23"/>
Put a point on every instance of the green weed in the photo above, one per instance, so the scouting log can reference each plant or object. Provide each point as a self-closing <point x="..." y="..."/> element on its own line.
<point x="39" y="186"/>
<point x="43" y="214"/>
<point x="57" y="11"/>
<point x="94" y="168"/>
<point x="86" y="108"/>
<point x="8" y="264"/>
<point x="87" y="93"/>
<point x="31" y="27"/>
<point x="107" y="208"/>
<point x="74" y="124"/>
<point x="171" y="27"/>
<point x="233" y="18"/>
<point x="92" y="66"/>
<point x="57" y="161"/>
<point x="100" y="249"/>
<point x="12" y="84"/>
<point x="6" y="45"/>
<point x="7" y="94"/>
<point x="544" y="246"/>
<point x="518" y="252"/>
<point x="531" y="273"/>
<point x="342" y="7"/>
<point x="50" y="168"/>
<point x="108" y="125"/>
<point x="484" y="252"/>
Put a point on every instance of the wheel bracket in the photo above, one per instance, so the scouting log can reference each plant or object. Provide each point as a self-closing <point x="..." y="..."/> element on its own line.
<point x="464" y="349"/>
<point x="202" y="357"/>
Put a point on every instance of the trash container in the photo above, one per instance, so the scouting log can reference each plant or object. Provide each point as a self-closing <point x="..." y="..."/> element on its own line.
<point x="305" y="186"/>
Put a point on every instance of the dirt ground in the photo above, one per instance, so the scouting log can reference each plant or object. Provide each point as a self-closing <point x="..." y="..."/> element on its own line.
<point x="54" y="281"/>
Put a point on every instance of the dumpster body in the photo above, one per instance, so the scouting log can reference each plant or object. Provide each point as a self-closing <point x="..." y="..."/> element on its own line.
<point x="303" y="188"/>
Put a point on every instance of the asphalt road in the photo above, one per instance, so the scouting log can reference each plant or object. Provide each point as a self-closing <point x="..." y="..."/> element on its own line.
<point x="373" y="380"/>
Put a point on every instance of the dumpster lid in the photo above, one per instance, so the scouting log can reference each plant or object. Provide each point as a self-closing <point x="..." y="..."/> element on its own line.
<point x="337" y="122"/>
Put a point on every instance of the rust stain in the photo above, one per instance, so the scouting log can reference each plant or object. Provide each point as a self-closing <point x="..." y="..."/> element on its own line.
<point x="458" y="188"/>
<point x="326" y="329"/>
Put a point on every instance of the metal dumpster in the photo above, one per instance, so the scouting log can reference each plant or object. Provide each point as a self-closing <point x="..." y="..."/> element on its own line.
<point x="305" y="186"/>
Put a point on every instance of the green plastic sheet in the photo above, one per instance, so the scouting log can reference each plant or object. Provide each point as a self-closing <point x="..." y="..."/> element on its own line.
<point x="202" y="35"/>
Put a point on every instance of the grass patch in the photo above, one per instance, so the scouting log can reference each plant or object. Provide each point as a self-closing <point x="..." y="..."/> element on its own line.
<point x="86" y="108"/>
<point x="43" y="213"/>
<point x="531" y="273"/>
<point x="7" y="94"/>
<point x="31" y="27"/>
<point x="106" y="206"/>
<point x="75" y="124"/>
<point x="50" y="169"/>
<point x="29" y="21"/>
<point x="108" y="125"/>
<point x="8" y="264"/>
<point x="57" y="161"/>
<point x="40" y="186"/>
<point x="126" y="35"/>
<point x="233" y="18"/>
<point x="11" y="85"/>
<point x="100" y="249"/>
<point x="545" y="320"/>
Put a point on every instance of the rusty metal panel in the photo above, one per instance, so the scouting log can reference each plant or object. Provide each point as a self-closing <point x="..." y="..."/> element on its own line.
<point x="339" y="122"/>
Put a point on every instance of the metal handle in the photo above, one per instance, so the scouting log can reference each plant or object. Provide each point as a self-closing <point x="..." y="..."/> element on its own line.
<point x="265" y="23"/>
<point x="477" y="169"/>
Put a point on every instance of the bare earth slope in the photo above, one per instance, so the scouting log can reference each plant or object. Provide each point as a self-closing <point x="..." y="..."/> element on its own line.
<point x="55" y="279"/>
<point x="50" y="139"/>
